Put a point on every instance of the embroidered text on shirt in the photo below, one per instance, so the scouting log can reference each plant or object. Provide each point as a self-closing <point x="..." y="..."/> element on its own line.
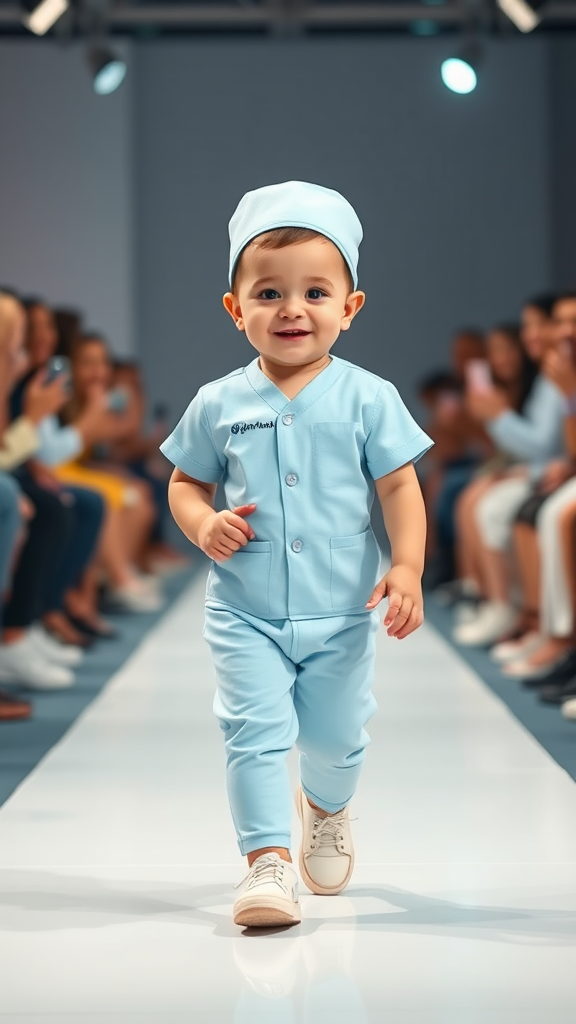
<point x="241" y="428"/>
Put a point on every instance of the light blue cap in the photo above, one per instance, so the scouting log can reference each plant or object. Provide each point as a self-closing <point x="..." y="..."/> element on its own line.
<point x="296" y="204"/>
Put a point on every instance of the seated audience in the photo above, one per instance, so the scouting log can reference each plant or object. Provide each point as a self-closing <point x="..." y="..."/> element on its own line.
<point x="129" y="505"/>
<point x="460" y="443"/>
<point x="545" y="653"/>
<point x="139" y="452"/>
<point x="29" y="654"/>
<point x="487" y="509"/>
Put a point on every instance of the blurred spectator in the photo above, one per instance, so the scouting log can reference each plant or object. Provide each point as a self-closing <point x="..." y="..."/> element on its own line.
<point x="545" y="651"/>
<point x="130" y="509"/>
<point x="69" y="329"/>
<point x="531" y="437"/>
<point x="139" y="452"/>
<point x="460" y="443"/>
<point x="28" y="654"/>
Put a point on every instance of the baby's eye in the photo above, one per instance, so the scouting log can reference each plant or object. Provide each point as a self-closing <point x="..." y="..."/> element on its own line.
<point x="315" y="293"/>
<point x="269" y="293"/>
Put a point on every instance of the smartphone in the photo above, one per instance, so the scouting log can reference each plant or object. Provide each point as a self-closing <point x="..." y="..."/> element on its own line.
<point x="117" y="400"/>
<point x="57" y="366"/>
<point x="479" y="376"/>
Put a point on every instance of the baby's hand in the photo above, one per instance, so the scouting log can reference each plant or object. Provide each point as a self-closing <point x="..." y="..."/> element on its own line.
<point x="223" y="533"/>
<point x="405" y="612"/>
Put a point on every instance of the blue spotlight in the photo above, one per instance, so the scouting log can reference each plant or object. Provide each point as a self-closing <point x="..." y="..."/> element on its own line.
<point x="108" y="70"/>
<point x="459" y="75"/>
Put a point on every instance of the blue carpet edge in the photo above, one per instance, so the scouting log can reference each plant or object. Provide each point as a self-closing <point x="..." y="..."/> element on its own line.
<point x="24" y="743"/>
<point x="554" y="733"/>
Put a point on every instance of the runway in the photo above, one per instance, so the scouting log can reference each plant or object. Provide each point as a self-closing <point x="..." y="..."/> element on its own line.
<point x="118" y="860"/>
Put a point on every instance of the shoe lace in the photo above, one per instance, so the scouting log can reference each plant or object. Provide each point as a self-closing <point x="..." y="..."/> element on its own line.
<point x="328" y="831"/>
<point x="267" y="868"/>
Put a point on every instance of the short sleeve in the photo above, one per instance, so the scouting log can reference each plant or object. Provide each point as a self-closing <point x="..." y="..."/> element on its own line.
<point x="191" y="448"/>
<point x="394" y="438"/>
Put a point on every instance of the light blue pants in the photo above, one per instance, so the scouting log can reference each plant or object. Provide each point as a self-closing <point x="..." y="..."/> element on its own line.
<point x="284" y="682"/>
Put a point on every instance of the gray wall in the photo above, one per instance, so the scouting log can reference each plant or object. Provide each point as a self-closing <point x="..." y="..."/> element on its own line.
<point x="65" y="185"/>
<point x="563" y="159"/>
<point x="452" y="191"/>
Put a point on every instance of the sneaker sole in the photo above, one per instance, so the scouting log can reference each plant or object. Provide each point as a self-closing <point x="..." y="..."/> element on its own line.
<point x="318" y="890"/>
<point x="260" y="912"/>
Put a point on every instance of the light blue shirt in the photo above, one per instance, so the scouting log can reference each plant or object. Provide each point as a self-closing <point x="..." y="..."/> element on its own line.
<point x="58" y="444"/>
<point x="309" y="465"/>
<point x="535" y="435"/>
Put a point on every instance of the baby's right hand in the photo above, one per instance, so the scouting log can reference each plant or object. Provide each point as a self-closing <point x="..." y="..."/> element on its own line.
<point x="223" y="533"/>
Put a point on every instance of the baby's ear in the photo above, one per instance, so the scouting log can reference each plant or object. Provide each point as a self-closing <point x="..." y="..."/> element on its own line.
<point x="354" y="304"/>
<point x="232" y="306"/>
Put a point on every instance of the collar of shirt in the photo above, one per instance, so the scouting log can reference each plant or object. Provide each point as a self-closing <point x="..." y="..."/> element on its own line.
<point x="277" y="400"/>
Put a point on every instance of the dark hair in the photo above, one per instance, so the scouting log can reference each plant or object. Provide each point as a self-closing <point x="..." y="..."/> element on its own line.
<point x="69" y="328"/>
<point x="30" y="301"/>
<point x="565" y="297"/>
<point x="279" y="238"/>
<point x="469" y="332"/>
<point x="440" y="380"/>
<point x="545" y="303"/>
<point x="528" y="368"/>
<point x="126" y="364"/>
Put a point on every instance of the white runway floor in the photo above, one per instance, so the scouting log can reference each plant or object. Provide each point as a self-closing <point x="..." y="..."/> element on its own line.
<point x="117" y="862"/>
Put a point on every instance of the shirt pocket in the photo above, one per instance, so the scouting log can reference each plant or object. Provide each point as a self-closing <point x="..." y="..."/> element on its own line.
<point x="336" y="457"/>
<point x="354" y="570"/>
<point x="243" y="580"/>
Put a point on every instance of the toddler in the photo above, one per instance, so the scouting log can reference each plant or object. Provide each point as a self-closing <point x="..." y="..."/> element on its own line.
<point x="301" y="441"/>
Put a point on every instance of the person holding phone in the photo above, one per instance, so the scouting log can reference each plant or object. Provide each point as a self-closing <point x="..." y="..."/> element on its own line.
<point x="28" y="654"/>
<point x="531" y="436"/>
<point x="130" y="510"/>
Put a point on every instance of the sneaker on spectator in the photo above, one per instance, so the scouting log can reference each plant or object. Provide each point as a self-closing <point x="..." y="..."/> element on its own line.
<point x="60" y="654"/>
<point x="22" y="662"/>
<point x="569" y="709"/>
<point x="137" y="596"/>
<point x="523" y="647"/>
<point x="493" y="620"/>
<point x="467" y="611"/>
<point x="455" y="591"/>
<point x="523" y="669"/>
<point x="269" y="896"/>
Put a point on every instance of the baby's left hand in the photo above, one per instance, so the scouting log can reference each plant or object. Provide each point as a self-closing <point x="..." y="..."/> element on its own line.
<point x="405" y="612"/>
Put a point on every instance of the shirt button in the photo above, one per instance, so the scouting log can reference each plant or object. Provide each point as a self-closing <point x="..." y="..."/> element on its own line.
<point x="296" y="546"/>
<point x="291" y="479"/>
<point x="288" y="419"/>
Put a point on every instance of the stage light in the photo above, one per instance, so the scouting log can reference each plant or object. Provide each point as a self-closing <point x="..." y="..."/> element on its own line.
<point x="39" y="17"/>
<point x="108" y="70"/>
<point x="459" y="74"/>
<point x="524" y="15"/>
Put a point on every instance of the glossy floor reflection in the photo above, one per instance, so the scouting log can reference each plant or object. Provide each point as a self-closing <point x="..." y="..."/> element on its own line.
<point x="117" y="864"/>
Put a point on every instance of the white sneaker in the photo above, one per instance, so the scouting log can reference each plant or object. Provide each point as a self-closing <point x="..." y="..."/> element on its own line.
<point x="60" y="654"/>
<point x="467" y="611"/>
<point x="522" y="669"/>
<point x="269" y="896"/>
<point x="569" y="709"/>
<point x="523" y="647"/>
<point x="327" y="853"/>
<point x="493" y="620"/>
<point x="137" y="596"/>
<point x="22" y="662"/>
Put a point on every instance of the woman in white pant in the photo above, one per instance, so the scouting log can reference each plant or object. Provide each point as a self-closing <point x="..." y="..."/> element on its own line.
<point x="532" y="437"/>
<point x="550" y="550"/>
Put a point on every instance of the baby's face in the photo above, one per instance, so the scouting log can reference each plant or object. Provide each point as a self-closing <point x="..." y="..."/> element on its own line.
<point x="293" y="302"/>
